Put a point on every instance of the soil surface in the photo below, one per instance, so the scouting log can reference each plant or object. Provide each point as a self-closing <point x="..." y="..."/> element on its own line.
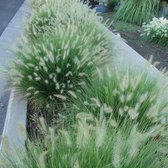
<point x="132" y="35"/>
<point x="146" y="49"/>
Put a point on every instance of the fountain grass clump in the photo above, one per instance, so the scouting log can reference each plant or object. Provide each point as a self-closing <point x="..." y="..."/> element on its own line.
<point x="54" y="65"/>
<point x="126" y="96"/>
<point x="92" y="142"/>
<point x="108" y="118"/>
<point x="53" y="14"/>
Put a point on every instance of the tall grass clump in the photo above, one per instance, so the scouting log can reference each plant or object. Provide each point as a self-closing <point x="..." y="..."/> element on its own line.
<point x="156" y="31"/>
<point x="53" y="13"/>
<point x="93" y="142"/>
<point x="138" y="11"/>
<point x="58" y="65"/>
<point x="55" y="66"/>
<point x="128" y="97"/>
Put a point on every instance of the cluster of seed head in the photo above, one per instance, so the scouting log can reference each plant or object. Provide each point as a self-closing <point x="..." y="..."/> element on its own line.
<point x="127" y="90"/>
<point x="69" y="43"/>
<point x="59" y="65"/>
<point x="53" y="13"/>
<point x="94" y="131"/>
<point x="125" y="93"/>
<point x="95" y="134"/>
<point x="131" y="99"/>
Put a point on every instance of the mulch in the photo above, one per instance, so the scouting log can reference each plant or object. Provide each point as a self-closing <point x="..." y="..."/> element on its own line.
<point x="146" y="49"/>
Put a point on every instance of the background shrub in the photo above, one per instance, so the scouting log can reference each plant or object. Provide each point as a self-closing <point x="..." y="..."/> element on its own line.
<point x="156" y="31"/>
<point x="138" y="11"/>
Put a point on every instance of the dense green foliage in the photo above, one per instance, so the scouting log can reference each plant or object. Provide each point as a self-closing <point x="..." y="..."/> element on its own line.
<point x="116" y="119"/>
<point x="138" y="11"/>
<point x="93" y="142"/>
<point x="53" y="14"/>
<point x="156" y="31"/>
<point x="54" y="64"/>
<point x="129" y="96"/>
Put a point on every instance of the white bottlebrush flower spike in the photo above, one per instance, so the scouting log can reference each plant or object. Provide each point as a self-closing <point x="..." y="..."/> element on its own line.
<point x="60" y="97"/>
<point x="135" y="99"/>
<point x="100" y="131"/>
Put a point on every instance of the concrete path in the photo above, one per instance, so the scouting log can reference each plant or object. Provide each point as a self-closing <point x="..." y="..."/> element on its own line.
<point x="8" y="9"/>
<point x="11" y="27"/>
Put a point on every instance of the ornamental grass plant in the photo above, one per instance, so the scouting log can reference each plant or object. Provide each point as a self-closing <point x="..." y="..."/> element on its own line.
<point x="52" y="14"/>
<point x="51" y="68"/>
<point x="156" y="31"/>
<point x="138" y="11"/>
<point x="127" y="96"/>
<point x="92" y="142"/>
<point x="111" y="119"/>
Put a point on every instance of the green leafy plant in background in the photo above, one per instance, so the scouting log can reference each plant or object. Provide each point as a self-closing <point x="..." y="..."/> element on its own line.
<point x="138" y="11"/>
<point x="92" y="142"/>
<point x="156" y="31"/>
<point x="112" y="4"/>
<point x="128" y="96"/>
<point x="55" y="66"/>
